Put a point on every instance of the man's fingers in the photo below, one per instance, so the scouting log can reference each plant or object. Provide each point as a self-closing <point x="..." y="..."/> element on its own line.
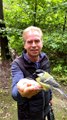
<point x="28" y="88"/>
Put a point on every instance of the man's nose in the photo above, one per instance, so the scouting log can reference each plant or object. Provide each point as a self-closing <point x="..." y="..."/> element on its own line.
<point x="33" y="44"/>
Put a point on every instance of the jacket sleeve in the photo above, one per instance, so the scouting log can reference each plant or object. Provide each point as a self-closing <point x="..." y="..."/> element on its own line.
<point x="16" y="74"/>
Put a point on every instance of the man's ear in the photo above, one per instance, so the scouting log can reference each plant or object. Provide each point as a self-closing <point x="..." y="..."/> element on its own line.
<point x="42" y="43"/>
<point x="24" y="46"/>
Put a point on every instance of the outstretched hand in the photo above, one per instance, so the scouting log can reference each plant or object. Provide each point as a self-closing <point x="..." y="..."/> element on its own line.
<point x="28" y="88"/>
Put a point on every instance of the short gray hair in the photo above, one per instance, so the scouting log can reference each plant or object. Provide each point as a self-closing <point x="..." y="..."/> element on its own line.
<point x="32" y="28"/>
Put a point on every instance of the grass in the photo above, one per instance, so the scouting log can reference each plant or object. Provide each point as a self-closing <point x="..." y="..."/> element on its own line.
<point x="60" y="108"/>
<point x="8" y="107"/>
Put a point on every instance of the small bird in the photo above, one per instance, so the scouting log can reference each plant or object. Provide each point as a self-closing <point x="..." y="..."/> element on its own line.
<point x="47" y="81"/>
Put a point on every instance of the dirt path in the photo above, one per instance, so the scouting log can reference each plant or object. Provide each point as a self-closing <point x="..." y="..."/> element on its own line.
<point x="5" y="74"/>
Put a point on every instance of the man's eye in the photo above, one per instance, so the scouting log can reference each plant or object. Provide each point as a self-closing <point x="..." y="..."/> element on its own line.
<point x="29" y="42"/>
<point x="37" y="41"/>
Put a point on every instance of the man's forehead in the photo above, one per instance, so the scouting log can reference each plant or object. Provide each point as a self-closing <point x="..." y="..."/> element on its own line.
<point x="33" y="33"/>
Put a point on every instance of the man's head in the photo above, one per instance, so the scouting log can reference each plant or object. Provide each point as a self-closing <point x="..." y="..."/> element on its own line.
<point x="32" y="29"/>
<point x="33" y="42"/>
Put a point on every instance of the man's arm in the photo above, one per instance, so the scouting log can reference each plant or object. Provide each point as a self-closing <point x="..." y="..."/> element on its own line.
<point x="17" y="74"/>
<point x="22" y="87"/>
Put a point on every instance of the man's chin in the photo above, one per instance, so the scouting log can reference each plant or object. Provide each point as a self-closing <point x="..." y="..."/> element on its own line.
<point x="35" y="55"/>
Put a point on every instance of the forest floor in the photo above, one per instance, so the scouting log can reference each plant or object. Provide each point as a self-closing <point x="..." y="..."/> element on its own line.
<point x="8" y="107"/>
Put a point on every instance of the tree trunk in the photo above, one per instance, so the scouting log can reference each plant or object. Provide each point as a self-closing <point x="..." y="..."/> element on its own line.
<point x="3" y="39"/>
<point x="64" y="25"/>
<point x="35" y="10"/>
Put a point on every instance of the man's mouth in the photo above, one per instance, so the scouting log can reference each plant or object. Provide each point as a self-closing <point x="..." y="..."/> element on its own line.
<point x="34" y="50"/>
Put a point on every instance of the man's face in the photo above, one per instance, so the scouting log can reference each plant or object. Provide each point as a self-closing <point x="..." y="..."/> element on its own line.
<point x="33" y="43"/>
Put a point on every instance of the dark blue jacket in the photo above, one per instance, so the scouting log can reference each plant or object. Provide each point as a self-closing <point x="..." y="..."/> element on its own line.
<point x="37" y="106"/>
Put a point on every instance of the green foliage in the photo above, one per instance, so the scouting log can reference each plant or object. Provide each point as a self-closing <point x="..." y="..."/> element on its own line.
<point x="55" y="45"/>
<point x="16" y="44"/>
<point x="56" y="42"/>
<point x="57" y="69"/>
<point x="51" y="16"/>
<point x="20" y="14"/>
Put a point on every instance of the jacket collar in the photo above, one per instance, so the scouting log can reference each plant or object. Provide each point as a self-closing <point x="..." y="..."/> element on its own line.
<point x="42" y="55"/>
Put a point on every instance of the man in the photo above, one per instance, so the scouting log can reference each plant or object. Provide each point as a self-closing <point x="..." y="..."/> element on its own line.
<point x="32" y="101"/>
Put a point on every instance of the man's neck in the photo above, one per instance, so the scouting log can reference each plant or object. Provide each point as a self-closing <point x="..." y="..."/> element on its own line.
<point x="34" y="58"/>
